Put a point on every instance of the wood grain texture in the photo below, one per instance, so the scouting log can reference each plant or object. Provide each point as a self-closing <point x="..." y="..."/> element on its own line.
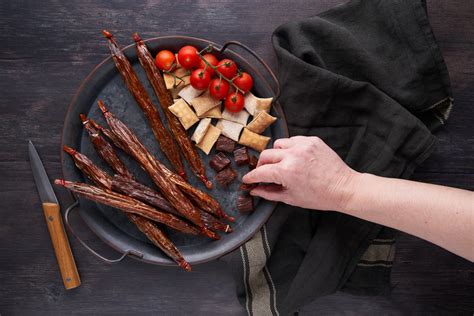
<point x="64" y="257"/>
<point x="46" y="50"/>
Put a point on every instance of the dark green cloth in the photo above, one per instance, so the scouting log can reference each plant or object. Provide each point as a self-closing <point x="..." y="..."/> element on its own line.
<point x="369" y="79"/>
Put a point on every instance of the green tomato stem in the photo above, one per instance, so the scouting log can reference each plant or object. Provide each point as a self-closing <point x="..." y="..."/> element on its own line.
<point x="175" y="78"/>
<point x="230" y="81"/>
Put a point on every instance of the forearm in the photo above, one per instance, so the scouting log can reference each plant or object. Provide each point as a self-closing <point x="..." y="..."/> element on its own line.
<point x="441" y="215"/>
<point x="309" y="174"/>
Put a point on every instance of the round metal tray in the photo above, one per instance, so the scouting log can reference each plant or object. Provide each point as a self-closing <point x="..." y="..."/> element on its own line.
<point x="111" y="225"/>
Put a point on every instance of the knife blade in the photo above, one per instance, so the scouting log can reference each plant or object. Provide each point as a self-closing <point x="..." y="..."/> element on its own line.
<point x="43" y="185"/>
<point x="52" y="213"/>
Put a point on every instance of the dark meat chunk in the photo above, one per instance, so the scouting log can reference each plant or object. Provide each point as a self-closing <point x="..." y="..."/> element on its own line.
<point x="245" y="203"/>
<point x="253" y="162"/>
<point x="248" y="186"/>
<point x="225" y="144"/>
<point x="219" y="162"/>
<point x="241" y="156"/>
<point x="226" y="176"/>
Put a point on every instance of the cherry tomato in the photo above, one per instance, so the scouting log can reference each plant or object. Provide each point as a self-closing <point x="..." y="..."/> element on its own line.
<point x="227" y="68"/>
<point x="244" y="82"/>
<point x="165" y="60"/>
<point x="234" y="102"/>
<point x="188" y="57"/>
<point x="200" y="79"/>
<point x="211" y="59"/>
<point x="219" y="88"/>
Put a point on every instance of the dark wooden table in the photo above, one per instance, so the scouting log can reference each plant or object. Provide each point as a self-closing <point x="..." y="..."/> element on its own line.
<point x="46" y="50"/>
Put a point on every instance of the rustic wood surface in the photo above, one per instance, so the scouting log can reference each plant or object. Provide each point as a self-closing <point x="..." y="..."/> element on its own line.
<point x="48" y="47"/>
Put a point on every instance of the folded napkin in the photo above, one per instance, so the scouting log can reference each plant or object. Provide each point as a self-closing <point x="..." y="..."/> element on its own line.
<point x="369" y="79"/>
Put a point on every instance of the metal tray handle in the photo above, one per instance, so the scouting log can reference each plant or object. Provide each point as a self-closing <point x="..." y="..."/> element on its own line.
<point x="276" y="90"/>
<point x="130" y="252"/>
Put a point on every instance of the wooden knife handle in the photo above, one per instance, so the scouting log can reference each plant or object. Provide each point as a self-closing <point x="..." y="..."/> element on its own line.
<point x="66" y="263"/>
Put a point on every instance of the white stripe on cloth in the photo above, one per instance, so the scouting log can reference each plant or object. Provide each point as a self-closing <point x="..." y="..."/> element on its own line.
<point x="391" y="240"/>
<point x="260" y="304"/>
<point x="268" y="272"/>
<point x="379" y="253"/>
<point x="386" y="265"/>
<point x="244" y="265"/>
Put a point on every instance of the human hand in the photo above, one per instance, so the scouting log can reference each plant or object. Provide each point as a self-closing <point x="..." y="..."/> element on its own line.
<point x="305" y="172"/>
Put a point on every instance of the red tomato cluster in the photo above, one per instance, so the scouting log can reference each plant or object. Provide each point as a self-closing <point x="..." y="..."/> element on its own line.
<point x="214" y="75"/>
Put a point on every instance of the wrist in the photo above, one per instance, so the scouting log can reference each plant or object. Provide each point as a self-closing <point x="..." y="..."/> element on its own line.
<point x="363" y="193"/>
<point x="354" y="183"/>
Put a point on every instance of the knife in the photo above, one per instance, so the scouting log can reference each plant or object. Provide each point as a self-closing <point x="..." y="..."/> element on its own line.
<point x="52" y="214"/>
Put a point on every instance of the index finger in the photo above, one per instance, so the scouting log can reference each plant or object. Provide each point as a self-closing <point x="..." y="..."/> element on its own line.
<point x="282" y="143"/>
<point x="269" y="156"/>
<point x="263" y="174"/>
